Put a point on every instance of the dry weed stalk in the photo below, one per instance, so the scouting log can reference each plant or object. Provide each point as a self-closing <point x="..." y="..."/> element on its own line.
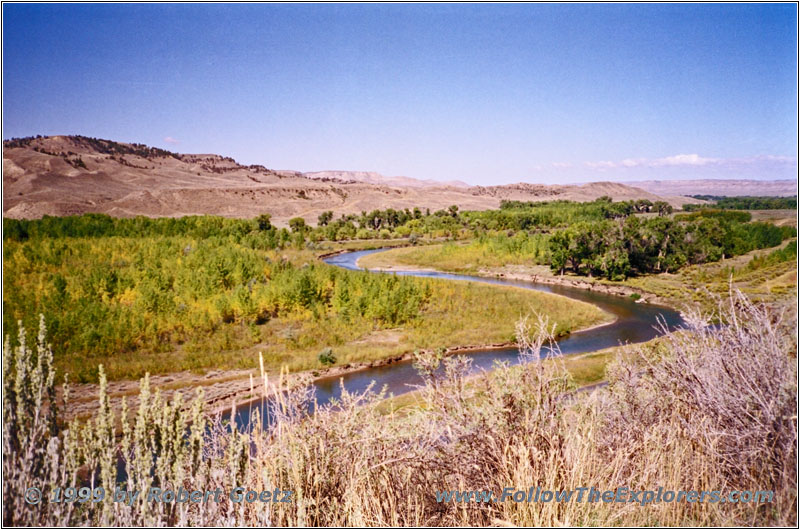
<point x="714" y="410"/>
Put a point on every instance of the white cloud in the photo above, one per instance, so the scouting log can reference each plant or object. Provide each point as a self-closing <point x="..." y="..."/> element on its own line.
<point x="171" y="140"/>
<point x="561" y="165"/>
<point x="603" y="164"/>
<point x="690" y="160"/>
<point x="683" y="160"/>
<point x="632" y="162"/>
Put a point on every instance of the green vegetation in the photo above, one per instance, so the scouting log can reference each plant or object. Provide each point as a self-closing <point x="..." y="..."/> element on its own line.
<point x="468" y="257"/>
<point x="787" y="253"/>
<point x="611" y="249"/>
<point x="164" y="295"/>
<point x="764" y="275"/>
<point x="409" y="224"/>
<point x="638" y="246"/>
<point x="744" y="203"/>
<point x="257" y="232"/>
<point x="324" y="218"/>
<point x="326" y="357"/>
<point x="205" y="289"/>
<point x="561" y="211"/>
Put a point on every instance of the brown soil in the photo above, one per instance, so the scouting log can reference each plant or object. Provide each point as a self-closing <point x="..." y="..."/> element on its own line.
<point x="43" y="177"/>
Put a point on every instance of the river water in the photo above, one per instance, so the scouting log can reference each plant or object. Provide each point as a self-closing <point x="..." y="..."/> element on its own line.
<point x="635" y="323"/>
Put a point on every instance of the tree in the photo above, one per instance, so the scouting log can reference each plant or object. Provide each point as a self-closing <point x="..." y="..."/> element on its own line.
<point x="643" y="205"/>
<point x="559" y="250"/>
<point x="297" y="224"/>
<point x="617" y="210"/>
<point x="324" y="218"/>
<point x="453" y="209"/>
<point x="663" y="208"/>
<point x="264" y="222"/>
<point x="614" y="263"/>
<point x="375" y="219"/>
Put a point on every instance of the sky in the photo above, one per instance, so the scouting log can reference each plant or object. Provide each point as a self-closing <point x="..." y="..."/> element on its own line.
<point x="483" y="93"/>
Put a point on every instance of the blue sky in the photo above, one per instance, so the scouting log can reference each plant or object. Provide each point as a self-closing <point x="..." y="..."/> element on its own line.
<point x="482" y="93"/>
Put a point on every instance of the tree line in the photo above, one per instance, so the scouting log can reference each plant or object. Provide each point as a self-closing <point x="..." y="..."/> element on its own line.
<point x="376" y="224"/>
<point x="744" y="203"/>
<point x="618" y="249"/>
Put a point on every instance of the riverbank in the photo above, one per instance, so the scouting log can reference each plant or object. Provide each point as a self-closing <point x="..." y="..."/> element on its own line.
<point x="587" y="370"/>
<point x="769" y="283"/>
<point x="534" y="273"/>
<point x="491" y="315"/>
<point x="223" y="389"/>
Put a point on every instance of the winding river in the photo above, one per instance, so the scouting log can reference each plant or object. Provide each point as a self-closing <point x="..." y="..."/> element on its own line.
<point x="634" y="323"/>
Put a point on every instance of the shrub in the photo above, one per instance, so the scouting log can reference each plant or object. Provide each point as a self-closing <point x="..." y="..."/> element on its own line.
<point x="709" y="408"/>
<point x="326" y="357"/>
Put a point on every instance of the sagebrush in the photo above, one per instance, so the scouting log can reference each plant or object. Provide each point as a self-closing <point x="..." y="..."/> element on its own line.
<point x="713" y="408"/>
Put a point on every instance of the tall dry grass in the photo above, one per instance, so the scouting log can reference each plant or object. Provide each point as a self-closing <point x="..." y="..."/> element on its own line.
<point x="714" y="410"/>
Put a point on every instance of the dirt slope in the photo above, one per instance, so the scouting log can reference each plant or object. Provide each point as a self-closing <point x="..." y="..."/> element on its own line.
<point x="719" y="187"/>
<point x="371" y="177"/>
<point x="69" y="175"/>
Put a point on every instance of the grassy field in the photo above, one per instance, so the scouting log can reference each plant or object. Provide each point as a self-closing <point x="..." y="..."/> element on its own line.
<point x="464" y="257"/>
<point x="710" y="408"/>
<point x="756" y="274"/>
<point x="164" y="304"/>
<point x="457" y="315"/>
<point x="639" y="247"/>
<point x="778" y="217"/>
<point x="363" y="244"/>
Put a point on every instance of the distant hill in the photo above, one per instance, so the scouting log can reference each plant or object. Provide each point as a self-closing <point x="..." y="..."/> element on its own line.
<point x="722" y="188"/>
<point x="371" y="177"/>
<point x="69" y="175"/>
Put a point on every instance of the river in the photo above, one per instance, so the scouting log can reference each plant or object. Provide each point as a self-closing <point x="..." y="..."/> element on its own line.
<point x="634" y="323"/>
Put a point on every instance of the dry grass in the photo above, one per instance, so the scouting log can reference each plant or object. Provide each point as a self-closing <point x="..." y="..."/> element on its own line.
<point x="585" y="370"/>
<point x="713" y="409"/>
<point x="777" y="217"/>
<point x="773" y="283"/>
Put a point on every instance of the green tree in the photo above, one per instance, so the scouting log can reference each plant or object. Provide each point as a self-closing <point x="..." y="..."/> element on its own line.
<point x="297" y="224"/>
<point x="663" y="208"/>
<point x="264" y="222"/>
<point x="560" y="243"/>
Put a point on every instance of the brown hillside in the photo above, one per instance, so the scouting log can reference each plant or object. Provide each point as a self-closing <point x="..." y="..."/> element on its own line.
<point x="69" y="175"/>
